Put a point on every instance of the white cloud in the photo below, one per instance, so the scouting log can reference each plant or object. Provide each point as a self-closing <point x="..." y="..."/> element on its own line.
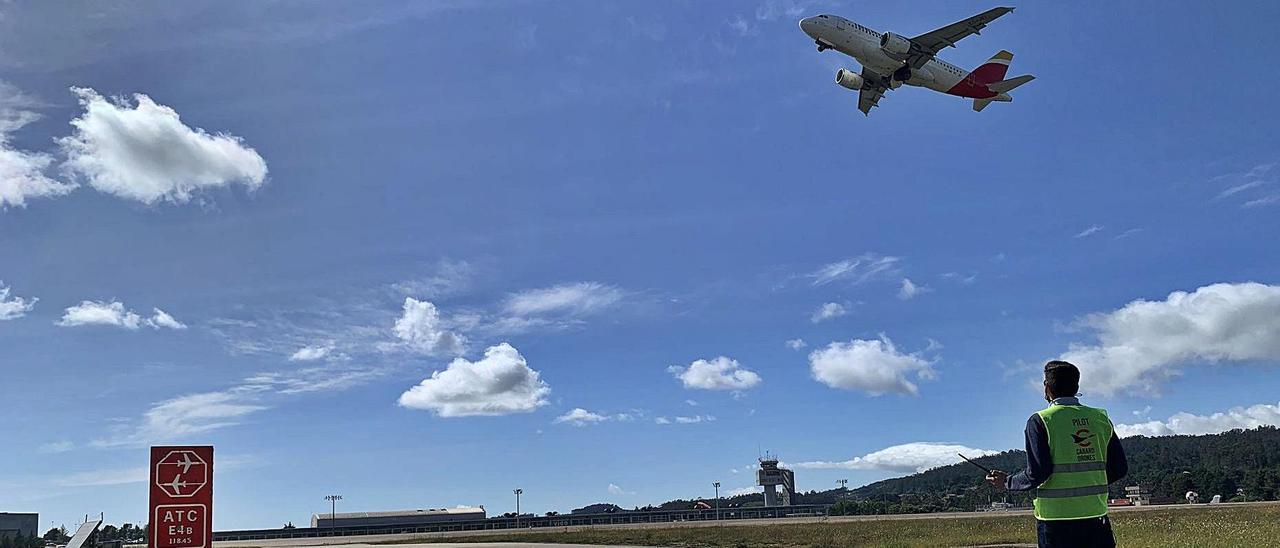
<point x="57" y="447"/>
<point x="1239" y="188"/>
<point x="312" y="379"/>
<point x="311" y="353"/>
<point x="501" y="383"/>
<point x="1089" y="231"/>
<point x="695" y="419"/>
<point x="1146" y="342"/>
<point x="828" y="311"/>
<point x="146" y="153"/>
<point x="772" y="10"/>
<point x="905" y="458"/>
<point x="751" y="490"/>
<point x="22" y="173"/>
<point x="115" y="314"/>
<point x="100" y="313"/>
<point x="796" y="344"/>
<point x="447" y="277"/>
<point x="720" y="373"/>
<point x="576" y="299"/>
<point x="909" y="290"/>
<point x="652" y="29"/>
<point x="98" y="478"/>
<point x="161" y="319"/>
<point x="856" y="270"/>
<point x="1263" y="201"/>
<point x="581" y="417"/>
<point x="199" y="413"/>
<point x="1189" y="424"/>
<point x="961" y="278"/>
<point x="186" y="416"/>
<point x="875" y="366"/>
<point x="615" y="490"/>
<point x="422" y="329"/>
<point x="12" y="308"/>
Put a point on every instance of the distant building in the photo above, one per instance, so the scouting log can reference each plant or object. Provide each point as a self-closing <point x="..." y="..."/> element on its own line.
<point x="19" y="524"/>
<point x="770" y="476"/>
<point x="399" y="517"/>
<point x="1137" y="495"/>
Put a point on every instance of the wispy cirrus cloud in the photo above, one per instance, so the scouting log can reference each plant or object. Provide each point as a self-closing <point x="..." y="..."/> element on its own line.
<point x="1094" y="229"/>
<point x="856" y="270"/>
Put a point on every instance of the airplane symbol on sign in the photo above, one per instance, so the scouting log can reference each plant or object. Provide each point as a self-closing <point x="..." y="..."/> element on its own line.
<point x="176" y="484"/>
<point x="186" y="463"/>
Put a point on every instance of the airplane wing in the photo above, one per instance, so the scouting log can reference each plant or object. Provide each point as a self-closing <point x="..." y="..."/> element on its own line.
<point x="930" y="43"/>
<point x="872" y="90"/>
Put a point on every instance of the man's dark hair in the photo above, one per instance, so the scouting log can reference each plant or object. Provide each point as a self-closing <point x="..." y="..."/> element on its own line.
<point x="1062" y="378"/>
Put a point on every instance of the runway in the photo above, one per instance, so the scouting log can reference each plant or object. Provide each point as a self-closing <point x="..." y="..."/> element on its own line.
<point x="372" y="541"/>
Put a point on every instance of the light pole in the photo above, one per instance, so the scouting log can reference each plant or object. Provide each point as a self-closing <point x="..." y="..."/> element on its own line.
<point x="717" y="486"/>
<point x="333" y="508"/>
<point x="518" y="492"/>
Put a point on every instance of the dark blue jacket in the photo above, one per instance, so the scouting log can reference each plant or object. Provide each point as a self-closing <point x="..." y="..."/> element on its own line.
<point x="1040" y="459"/>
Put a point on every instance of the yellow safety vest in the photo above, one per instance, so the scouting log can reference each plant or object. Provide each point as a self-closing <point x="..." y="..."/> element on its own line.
<point x="1077" y="488"/>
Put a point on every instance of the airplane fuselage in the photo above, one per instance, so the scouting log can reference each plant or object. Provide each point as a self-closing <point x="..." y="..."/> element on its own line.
<point x="863" y="44"/>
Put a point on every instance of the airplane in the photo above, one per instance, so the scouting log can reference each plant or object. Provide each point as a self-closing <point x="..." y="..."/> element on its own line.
<point x="186" y="463"/>
<point x="176" y="485"/>
<point x="889" y="60"/>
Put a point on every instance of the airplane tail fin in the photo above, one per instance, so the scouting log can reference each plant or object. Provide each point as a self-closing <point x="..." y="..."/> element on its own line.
<point x="994" y="69"/>
<point x="979" y="104"/>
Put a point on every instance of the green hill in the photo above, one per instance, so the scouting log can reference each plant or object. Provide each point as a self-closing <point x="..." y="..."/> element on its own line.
<point x="1239" y="464"/>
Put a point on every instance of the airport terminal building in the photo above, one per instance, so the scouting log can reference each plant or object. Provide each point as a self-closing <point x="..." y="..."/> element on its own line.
<point x="19" y="524"/>
<point x="395" y="518"/>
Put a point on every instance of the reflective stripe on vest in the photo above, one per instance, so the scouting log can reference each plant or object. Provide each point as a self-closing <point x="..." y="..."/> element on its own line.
<point x="1064" y="492"/>
<point x="1077" y="488"/>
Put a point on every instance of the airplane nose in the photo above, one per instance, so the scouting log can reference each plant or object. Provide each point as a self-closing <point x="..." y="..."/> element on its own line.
<point x="806" y="25"/>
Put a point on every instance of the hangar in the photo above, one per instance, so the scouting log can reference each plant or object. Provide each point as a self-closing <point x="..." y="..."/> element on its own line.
<point x="397" y="517"/>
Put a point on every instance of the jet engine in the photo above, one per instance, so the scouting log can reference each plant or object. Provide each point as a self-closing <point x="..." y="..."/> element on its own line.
<point x="849" y="79"/>
<point x="895" y="46"/>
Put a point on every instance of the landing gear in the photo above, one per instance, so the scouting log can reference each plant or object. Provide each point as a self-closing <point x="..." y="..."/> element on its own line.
<point x="821" y="47"/>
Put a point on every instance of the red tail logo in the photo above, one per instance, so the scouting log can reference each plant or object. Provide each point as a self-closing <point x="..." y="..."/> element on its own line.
<point x="994" y="69"/>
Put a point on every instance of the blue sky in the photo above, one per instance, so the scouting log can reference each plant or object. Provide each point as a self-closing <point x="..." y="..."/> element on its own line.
<point x="646" y="202"/>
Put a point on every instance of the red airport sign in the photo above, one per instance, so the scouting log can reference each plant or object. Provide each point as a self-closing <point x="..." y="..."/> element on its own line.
<point x="181" y="497"/>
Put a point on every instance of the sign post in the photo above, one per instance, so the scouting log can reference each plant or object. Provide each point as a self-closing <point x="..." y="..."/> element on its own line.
<point x="181" y="512"/>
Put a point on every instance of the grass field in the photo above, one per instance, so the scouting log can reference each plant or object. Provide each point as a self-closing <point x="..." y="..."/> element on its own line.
<point x="1217" y="526"/>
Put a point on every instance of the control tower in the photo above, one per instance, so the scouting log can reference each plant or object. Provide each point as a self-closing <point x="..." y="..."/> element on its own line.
<point x="770" y="477"/>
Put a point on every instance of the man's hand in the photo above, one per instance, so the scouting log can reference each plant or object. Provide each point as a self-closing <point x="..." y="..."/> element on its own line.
<point x="997" y="479"/>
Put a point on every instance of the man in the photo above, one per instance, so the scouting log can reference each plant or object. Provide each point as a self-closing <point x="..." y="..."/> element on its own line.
<point x="1073" y="454"/>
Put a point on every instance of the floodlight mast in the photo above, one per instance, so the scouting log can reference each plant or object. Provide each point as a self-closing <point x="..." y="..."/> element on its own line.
<point x="333" y="508"/>
<point x="518" y="492"/>
<point x="717" y="486"/>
